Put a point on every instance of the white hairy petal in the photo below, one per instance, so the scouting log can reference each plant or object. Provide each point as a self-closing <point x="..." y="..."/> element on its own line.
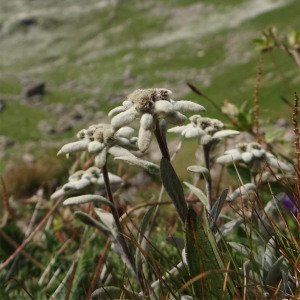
<point x="175" y="118"/>
<point x="100" y="158"/>
<point x="177" y="129"/>
<point x="247" y="157"/>
<point x="232" y="151"/>
<point x="144" y="139"/>
<point x="273" y="162"/>
<point x="193" y="132"/>
<point x="258" y="153"/>
<point x="205" y="139"/>
<point x="147" y="122"/>
<point x="73" y="147"/>
<point x="242" y="191"/>
<point x="200" y="170"/>
<point x="188" y="106"/>
<point x="229" y="158"/>
<point x="116" y="110"/>
<point x="95" y="146"/>
<point x="76" y="185"/>
<point x="57" y="194"/>
<point x="126" y="132"/>
<point x="163" y="107"/>
<point x="123" y="118"/>
<point x="76" y="176"/>
<point x="127" y="104"/>
<point x="225" y="133"/>
<point x="148" y="166"/>
<point x="119" y="151"/>
<point x="85" y="199"/>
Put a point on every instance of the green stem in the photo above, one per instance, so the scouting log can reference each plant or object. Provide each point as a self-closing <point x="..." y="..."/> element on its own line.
<point x="121" y="235"/>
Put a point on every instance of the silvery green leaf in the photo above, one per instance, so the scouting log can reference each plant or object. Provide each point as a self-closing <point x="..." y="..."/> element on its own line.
<point x="274" y="275"/>
<point x="76" y="185"/>
<point x="188" y="106"/>
<point x="124" y="118"/>
<point x="227" y="228"/>
<point x="216" y="209"/>
<point x="86" y="199"/>
<point x="175" y="118"/>
<point x="119" y="151"/>
<point x="229" y="158"/>
<point x="269" y="256"/>
<point x="176" y="242"/>
<point x="126" y="132"/>
<point x="186" y="297"/>
<point x="273" y="162"/>
<point x="73" y="147"/>
<point x="247" y="157"/>
<point x="114" y="293"/>
<point x="116" y="110"/>
<point x="245" y="251"/>
<point x="148" y="166"/>
<point x="108" y="220"/>
<point x="89" y="220"/>
<point x="198" y="193"/>
<point x="225" y="133"/>
<point x="200" y="170"/>
<point x="242" y="191"/>
<point x="100" y="158"/>
<point x="95" y="146"/>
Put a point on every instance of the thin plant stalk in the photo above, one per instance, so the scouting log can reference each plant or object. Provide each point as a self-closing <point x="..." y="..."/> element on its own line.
<point x="121" y="237"/>
<point x="206" y="153"/>
<point x="161" y="142"/>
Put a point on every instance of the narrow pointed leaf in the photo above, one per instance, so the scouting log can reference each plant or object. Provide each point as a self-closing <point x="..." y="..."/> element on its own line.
<point x="198" y="193"/>
<point x="111" y="292"/>
<point x="173" y="187"/>
<point x="214" y="214"/>
<point x="86" y="199"/>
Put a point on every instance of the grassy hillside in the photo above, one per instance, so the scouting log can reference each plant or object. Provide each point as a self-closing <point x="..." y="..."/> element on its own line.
<point x="100" y="51"/>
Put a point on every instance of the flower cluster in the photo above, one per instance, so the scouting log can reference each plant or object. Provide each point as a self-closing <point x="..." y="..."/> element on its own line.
<point x="82" y="180"/>
<point x="206" y="129"/>
<point x="252" y="154"/>
<point x="151" y="106"/>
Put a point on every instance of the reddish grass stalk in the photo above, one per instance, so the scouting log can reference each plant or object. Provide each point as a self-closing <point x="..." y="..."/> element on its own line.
<point x="256" y="105"/>
<point x="5" y="200"/>
<point x="70" y="283"/>
<point x="33" y="233"/>
<point x="99" y="264"/>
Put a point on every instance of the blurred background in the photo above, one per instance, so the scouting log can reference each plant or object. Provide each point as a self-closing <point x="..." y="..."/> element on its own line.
<point x="64" y="64"/>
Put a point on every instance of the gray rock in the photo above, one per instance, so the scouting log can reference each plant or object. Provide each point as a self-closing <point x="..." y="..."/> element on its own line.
<point x="35" y="90"/>
<point x="46" y="127"/>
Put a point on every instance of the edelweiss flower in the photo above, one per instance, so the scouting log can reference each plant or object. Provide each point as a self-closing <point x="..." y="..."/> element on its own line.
<point x="151" y="105"/>
<point x="206" y="129"/>
<point x="252" y="154"/>
<point x="81" y="180"/>
<point x="100" y="140"/>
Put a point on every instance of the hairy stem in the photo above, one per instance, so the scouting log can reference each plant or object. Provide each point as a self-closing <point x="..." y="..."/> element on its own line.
<point x="121" y="236"/>
<point x="206" y="152"/>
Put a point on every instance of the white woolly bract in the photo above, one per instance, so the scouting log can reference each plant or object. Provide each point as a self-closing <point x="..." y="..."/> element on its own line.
<point x="177" y="129"/>
<point x="119" y="151"/>
<point x="76" y="185"/>
<point x="148" y="166"/>
<point x="85" y="199"/>
<point x="273" y="162"/>
<point x="258" y="153"/>
<point x="163" y="107"/>
<point x="100" y="158"/>
<point x="198" y="169"/>
<point x="127" y="104"/>
<point x="205" y="139"/>
<point x="126" y="132"/>
<point x="123" y="118"/>
<point x="116" y="110"/>
<point x="73" y="147"/>
<point x="225" y="133"/>
<point x="193" y="132"/>
<point x="95" y="146"/>
<point x="57" y="194"/>
<point x="247" y="157"/>
<point x="147" y="122"/>
<point x="144" y="139"/>
<point x="188" y="106"/>
<point x="175" y="118"/>
<point x="242" y="191"/>
<point x="229" y="158"/>
<point x="108" y="220"/>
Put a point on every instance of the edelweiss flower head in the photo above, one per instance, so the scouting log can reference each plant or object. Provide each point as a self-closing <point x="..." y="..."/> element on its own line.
<point x="100" y="140"/>
<point x="252" y="154"/>
<point x="150" y="106"/>
<point x="206" y="129"/>
<point x="81" y="180"/>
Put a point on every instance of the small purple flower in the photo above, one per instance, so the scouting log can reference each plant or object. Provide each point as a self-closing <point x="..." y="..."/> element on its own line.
<point x="288" y="204"/>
